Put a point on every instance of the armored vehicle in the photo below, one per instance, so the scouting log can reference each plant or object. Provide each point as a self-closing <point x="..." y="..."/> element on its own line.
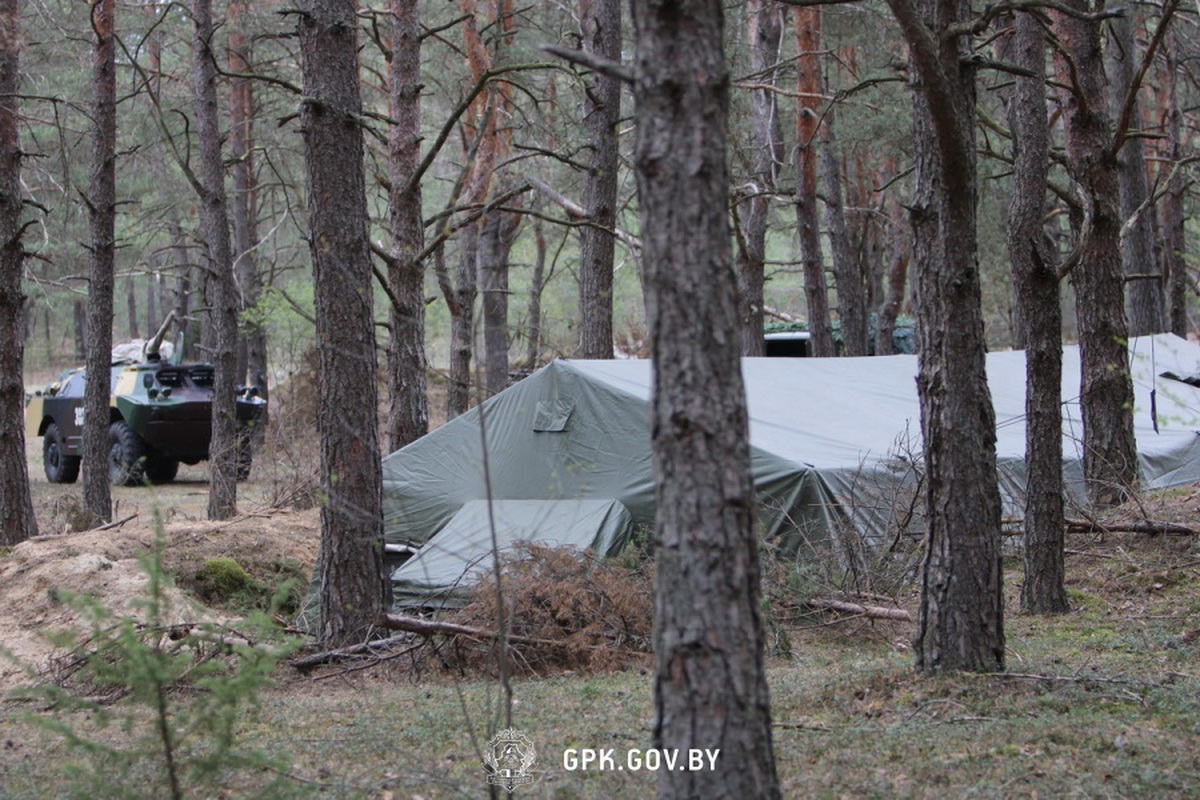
<point x="160" y="414"/>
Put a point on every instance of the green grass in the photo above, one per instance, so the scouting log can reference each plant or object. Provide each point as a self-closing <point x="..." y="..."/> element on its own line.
<point x="1100" y="702"/>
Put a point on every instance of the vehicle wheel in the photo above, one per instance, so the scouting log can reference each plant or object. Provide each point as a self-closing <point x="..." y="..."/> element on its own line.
<point x="160" y="469"/>
<point x="127" y="456"/>
<point x="60" y="467"/>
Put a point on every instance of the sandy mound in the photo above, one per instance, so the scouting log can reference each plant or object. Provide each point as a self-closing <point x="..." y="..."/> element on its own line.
<point x="104" y="564"/>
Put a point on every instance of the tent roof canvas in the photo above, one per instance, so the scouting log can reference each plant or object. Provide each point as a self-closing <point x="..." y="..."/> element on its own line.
<point x="442" y="571"/>
<point x="833" y="440"/>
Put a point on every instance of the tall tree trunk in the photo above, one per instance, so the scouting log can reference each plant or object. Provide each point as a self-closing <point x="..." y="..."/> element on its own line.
<point x="900" y="246"/>
<point x="847" y="270"/>
<point x="131" y="306"/>
<point x="408" y="410"/>
<point x="218" y="261"/>
<point x="961" y="623"/>
<point x="102" y="211"/>
<point x="1106" y="393"/>
<point x="1145" y="286"/>
<point x="487" y="143"/>
<point x="462" y="323"/>
<point x="1174" y="247"/>
<point x="709" y="689"/>
<point x="351" y="557"/>
<point x="764" y="29"/>
<point x="79" y="317"/>
<point x="600" y="21"/>
<point x="183" y="291"/>
<point x="808" y="68"/>
<point x="1043" y="589"/>
<point x="252" y="352"/>
<point x="533" y="340"/>
<point x="152" y="289"/>
<point x="17" y="521"/>
<point x="497" y="232"/>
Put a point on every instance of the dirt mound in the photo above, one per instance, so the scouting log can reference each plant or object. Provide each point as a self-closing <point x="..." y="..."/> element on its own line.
<point x="35" y="574"/>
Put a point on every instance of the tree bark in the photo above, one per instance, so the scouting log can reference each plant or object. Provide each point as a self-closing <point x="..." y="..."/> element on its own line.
<point x="710" y="690"/>
<point x="961" y="623"/>
<point x="79" y="317"/>
<point x="252" y="352"/>
<point x="1174" y="241"/>
<point x="17" y="521"/>
<point x="900" y="245"/>
<point x="183" y="290"/>
<point x="152" y="288"/>
<point x="497" y="232"/>
<point x="600" y="23"/>
<point x="847" y="270"/>
<point x="808" y="67"/>
<point x="1106" y="392"/>
<point x="1043" y="590"/>
<point x="481" y="155"/>
<point x="102" y="212"/>
<point x="408" y="409"/>
<point x="218" y="262"/>
<point x="351" y="556"/>
<point x="1145" y="288"/>
<point x="533" y="341"/>
<point x="462" y="323"/>
<point x="131" y="306"/>
<point x="764" y="29"/>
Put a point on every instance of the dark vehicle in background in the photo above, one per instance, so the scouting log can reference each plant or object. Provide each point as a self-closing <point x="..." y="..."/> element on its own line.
<point x="160" y="415"/>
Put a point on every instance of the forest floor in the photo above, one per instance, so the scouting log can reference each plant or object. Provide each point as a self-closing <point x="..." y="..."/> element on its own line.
<point x="1101" y="702"/>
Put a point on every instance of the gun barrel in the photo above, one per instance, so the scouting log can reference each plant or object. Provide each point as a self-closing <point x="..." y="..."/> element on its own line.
<point x="151" y="350"/>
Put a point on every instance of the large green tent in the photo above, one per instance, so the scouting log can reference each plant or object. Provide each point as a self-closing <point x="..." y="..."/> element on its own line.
<point x="836" y="446"/>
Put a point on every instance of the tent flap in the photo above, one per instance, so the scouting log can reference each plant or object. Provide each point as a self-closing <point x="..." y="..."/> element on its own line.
<point x="441" y="573"/>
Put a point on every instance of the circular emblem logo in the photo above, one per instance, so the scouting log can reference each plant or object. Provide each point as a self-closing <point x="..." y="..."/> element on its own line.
<point x="508" y="759"/>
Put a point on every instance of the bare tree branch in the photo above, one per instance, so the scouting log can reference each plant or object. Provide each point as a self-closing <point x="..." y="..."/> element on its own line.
<point x="595" y="63"/>
<point x="1122" y="128"/>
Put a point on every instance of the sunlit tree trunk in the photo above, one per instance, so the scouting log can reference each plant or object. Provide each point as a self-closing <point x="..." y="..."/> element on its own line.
<point x="497" y="232"/>
<point x="764" y="30"/>
<point x="1174" y="247"/>
<point x="17" y="521"/>
<point x="1106" y="391"/>
<point x="710" y="689"/>
<point x="1145" y="285"/>
<point x="252" y="352"/>
<point x="847" y="269"/>
<point x="533" y="340"/>
<point x="462" y="322"/>
<point x="350" y="564"/>
<point x="131" y="306"/>
<point x="408" y="410"/>
<point x="900" y="247"/>
<point x="102" y="212"/>
<point x="600" y="21"/>
<point x="217" y="258"/>
<point x="961" y="620"/>
<point x="1035" y="278"/>
<point x="808" y="68"/>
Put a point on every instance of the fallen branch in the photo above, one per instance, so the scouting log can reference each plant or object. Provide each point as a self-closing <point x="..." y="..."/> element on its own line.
<point x="116" y="524"/>
<point x="429" y="627"/>
<point x="1026" y="676"/>
<point x="381" y="659"/>
<point x="871" y="612"/>
<point x="316" y="659"/>
<point x="783" y="315"/>
<point x="1150" y="528"/>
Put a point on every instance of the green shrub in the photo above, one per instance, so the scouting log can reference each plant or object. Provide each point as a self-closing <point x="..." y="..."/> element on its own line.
<point x="222" y="578"/>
